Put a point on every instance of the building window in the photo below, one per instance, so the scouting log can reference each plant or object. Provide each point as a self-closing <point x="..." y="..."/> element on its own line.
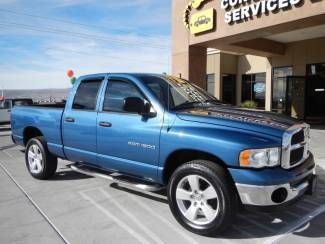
<point x="210" y="83"/>
<point x="253" y="89"/>
<point x="316" y="69"/>
<point x="280" y="103"/>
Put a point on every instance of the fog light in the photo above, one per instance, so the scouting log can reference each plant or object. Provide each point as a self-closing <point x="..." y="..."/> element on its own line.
<point x="279" y="195"/>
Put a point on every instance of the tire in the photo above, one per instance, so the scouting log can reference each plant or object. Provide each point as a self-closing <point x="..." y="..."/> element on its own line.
<point x="40" y="163"/>
<point x="215" y="210"/>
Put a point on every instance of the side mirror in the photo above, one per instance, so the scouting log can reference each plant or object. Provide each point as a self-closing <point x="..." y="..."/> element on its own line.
<point x="137" y="105"/>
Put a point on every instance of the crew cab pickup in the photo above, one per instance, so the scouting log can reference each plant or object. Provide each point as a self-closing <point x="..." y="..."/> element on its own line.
<point x="155" y="131"/>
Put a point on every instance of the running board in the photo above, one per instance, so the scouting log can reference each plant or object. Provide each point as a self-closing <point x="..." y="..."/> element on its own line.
<point x="117" y="178"/>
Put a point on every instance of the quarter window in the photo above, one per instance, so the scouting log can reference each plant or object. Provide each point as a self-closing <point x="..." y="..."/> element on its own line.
<point x="116" y="92"/>
<point x="86" y="95"/>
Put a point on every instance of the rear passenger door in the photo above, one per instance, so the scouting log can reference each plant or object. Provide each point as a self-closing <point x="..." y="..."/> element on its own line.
<point x="79" y="122"/>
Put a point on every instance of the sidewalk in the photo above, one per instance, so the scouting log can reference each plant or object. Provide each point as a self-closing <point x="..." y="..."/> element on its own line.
<point x="318" y="145"/>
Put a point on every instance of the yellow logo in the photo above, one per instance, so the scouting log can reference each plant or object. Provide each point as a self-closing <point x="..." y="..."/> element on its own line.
<point x="201" y="21"/>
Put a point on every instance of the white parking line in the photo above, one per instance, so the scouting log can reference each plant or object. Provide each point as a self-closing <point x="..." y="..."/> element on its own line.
<point x="108" y="214"/>
<point x="8" y="154"/>
<point x="293" y="214"/>
<point x="165" y="221"/>
<point x="140" y="224"/>
<point x="311" y="202"/>
<point x="291" y="228"/>
<point x="303" y="207"/>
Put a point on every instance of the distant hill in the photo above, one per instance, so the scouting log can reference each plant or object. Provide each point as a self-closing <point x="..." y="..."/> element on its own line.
<point x="42" y="95"/>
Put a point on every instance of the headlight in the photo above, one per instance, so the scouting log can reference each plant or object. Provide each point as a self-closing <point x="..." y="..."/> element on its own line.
<point x="259" y="158"/>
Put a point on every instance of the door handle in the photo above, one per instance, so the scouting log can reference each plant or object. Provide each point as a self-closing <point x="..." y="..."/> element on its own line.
<point x="69" y="120"/>
<point x="105" y="124"/>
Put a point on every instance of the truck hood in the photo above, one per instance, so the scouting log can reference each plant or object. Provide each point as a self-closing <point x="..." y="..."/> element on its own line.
<point x="253" y="120"/>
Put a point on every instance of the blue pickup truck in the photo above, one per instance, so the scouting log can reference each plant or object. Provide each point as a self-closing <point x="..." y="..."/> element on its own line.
<point x="157" y="131"/>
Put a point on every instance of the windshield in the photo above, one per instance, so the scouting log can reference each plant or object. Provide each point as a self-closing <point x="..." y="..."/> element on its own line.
<point x="176" y="93"/>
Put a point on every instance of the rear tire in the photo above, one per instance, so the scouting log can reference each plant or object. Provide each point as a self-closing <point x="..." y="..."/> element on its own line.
<point x="202" y="198"/>
<point x="40" y="163"/>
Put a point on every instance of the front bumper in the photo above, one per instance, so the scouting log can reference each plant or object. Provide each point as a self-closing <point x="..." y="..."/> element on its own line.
<point x="287" y="185"/>
<point x="271" y="195"/>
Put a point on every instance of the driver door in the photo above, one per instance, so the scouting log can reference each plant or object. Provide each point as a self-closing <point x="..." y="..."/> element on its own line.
<point x="127" y="142"/>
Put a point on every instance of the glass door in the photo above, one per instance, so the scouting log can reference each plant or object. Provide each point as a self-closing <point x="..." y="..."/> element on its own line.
<point x="280" y="103"/>
<point x="315" y="91"/>
<point x="295" y="96"/>
<point x="229" y="89"/>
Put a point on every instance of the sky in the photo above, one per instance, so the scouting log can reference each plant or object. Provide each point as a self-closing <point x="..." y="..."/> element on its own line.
<point x="40" y="40"/>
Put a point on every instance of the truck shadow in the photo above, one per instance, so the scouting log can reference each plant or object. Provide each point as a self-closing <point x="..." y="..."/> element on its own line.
<point x="67" y="174"/>
<point x="159" y="196"/>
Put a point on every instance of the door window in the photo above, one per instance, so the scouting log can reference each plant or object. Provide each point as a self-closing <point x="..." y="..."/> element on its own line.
<point x="116" y="92"/>
<point x="86" y="96"/>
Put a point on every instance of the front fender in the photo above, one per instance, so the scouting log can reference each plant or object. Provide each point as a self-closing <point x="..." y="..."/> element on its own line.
<point x="223" y="142"/>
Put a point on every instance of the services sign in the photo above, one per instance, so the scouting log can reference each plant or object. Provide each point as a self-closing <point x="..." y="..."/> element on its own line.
<point x="235" y="12"/>
<point x="238" y="10"/>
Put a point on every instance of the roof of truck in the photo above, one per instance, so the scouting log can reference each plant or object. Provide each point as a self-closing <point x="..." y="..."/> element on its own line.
<point x="120" y="74"/>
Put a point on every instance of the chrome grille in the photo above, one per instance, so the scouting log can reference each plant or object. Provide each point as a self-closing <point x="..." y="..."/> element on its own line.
<point x="295" y="145"/>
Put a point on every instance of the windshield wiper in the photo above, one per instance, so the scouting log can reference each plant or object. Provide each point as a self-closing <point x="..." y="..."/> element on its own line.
<point x="215" y="101"/>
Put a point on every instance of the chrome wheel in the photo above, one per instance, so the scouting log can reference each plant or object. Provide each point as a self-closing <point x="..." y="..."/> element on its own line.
<point x="197" y="199"/>
<point x="35" y="159"/>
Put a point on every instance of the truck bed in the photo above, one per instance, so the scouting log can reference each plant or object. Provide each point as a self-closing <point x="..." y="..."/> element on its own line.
<point x="45" y="117"/>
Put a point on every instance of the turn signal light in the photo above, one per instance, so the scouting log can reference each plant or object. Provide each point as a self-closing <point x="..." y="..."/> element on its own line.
<point x="244" y="158"/>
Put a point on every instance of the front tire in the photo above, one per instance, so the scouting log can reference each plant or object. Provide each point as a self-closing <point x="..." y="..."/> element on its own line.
<point x="202" y="198"/>
<point x="40" y="163"/>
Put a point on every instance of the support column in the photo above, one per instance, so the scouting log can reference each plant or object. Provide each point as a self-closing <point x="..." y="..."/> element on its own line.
<point x="268" y="83"/>
<point x="197" y="65"/>
<point x="218" y="77"/>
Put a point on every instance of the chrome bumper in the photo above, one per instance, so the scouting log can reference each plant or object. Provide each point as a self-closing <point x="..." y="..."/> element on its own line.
<point x="267" y="195"/>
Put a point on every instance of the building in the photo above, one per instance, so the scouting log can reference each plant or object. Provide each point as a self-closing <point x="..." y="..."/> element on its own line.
<point x="271" y="52"/>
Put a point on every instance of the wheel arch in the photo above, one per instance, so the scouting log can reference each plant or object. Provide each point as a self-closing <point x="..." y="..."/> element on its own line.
<point x="31" y="132"/>
<point x="181" y="156"/>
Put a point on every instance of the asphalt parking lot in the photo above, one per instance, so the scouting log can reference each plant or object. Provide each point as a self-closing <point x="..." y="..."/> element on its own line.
<point x="74" y="208"/>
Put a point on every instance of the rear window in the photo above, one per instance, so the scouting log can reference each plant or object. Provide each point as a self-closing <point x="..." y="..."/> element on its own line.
<point x="22" y="102"/>
<point x="86" y="96"/>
